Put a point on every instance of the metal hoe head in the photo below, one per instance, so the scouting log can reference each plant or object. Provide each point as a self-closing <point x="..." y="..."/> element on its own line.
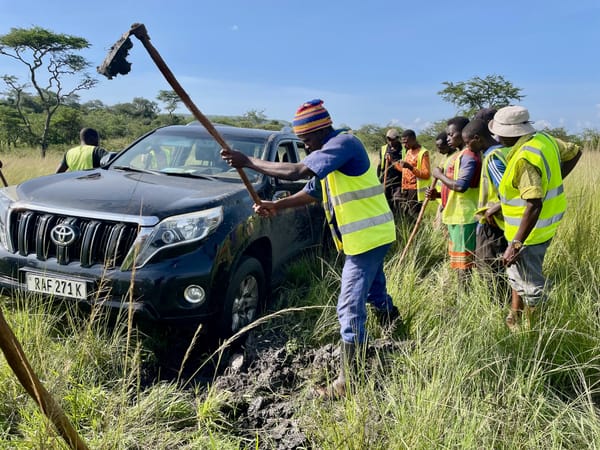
<point x="116" y="62"/>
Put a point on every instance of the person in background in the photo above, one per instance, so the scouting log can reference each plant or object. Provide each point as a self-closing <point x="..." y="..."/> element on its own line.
<point x="441" y="143"/>
<point x="533" y="203"/>
<point x="459" y="193"/>
<point x="490" y="241"/>
<point x="390" y="152"/>
<point x="361" y="222"/>
<point x="485" y="114"/>
<point x="416" y="175"/>
<point x="87" y="155"/>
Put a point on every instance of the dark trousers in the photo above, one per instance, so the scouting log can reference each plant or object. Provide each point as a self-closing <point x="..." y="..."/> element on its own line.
<point x="489" y="249"/>
<point x="410" y="206"/>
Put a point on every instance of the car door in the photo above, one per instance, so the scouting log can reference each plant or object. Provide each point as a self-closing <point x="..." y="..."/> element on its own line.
<point x="292" y="229"/>
<point x="315" y="210"/>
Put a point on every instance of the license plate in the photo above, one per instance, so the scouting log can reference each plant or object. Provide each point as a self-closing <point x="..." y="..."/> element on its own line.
<point x="56" y="286"/>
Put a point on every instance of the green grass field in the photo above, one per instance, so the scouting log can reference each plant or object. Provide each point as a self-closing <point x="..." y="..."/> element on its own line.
<point x="463" y="380"/>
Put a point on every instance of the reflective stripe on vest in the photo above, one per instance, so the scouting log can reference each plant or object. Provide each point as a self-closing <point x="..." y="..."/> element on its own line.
<point x="80" y="158"/>
<point x="542" y="152"/>
<point x="488" y="194"/>
<point x="461" y="206"/>
<point x="362" y="214"/>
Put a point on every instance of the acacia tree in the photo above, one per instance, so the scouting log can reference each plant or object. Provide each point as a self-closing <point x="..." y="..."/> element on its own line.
<point x="470" y="96"/>
<point x="40" y="49"/>
<point x="170" y="99"/>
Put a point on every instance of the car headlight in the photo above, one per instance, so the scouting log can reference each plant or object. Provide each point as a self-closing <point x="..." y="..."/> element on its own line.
<point x="5" y="203"/>
<point x="176" y="230"/>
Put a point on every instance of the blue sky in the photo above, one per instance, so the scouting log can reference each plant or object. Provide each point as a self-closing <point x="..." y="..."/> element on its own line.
<point x="372" y="62"/>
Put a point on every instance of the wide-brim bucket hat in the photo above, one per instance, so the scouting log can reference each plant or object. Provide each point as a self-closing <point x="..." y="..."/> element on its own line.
<point x="511" y="121"/>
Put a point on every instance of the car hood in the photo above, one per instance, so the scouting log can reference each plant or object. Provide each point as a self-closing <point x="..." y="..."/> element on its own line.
<point x="129" y="193"/>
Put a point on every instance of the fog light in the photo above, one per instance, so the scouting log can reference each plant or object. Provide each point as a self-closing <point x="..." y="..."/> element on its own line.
<point x="194" y="294"/>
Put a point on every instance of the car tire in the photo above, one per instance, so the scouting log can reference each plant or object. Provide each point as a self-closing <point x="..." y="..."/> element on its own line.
<point x="244" y="297"/>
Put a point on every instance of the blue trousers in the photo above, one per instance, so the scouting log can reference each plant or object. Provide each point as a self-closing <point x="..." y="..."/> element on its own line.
<point x="363" y="281"/>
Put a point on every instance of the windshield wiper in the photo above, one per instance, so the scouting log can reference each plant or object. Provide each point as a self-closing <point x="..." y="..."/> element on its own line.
<point x="189" y="175"/>
<point x="136" y="169"/>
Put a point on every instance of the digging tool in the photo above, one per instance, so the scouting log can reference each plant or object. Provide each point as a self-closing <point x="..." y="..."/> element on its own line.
<point x="116" y="63"/>
<point x="2" y="176"/>
<point x="20" y="366"/>
<point x="417" y="223"/>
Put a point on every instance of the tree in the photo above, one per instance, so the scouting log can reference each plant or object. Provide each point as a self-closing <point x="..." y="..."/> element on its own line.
<point x="170" y="99"/>
<point x="38" y="49"/>
<point x="11" y="128"/>
<point x="139" y="108"/>
<point x="372" y="136"/>
<point x="470" y="96"/>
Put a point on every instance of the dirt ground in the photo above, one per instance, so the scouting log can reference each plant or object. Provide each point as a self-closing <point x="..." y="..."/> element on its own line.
<point x="269" y="378"/>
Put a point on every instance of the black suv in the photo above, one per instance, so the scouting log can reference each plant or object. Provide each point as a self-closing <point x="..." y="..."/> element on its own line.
<point x="164" y="227"/>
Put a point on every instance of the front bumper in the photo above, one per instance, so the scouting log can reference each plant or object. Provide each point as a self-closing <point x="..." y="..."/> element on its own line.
<point x="154" y="293"/>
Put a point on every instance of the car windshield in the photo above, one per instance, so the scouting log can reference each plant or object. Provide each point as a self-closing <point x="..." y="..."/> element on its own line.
<point x="188" y="151"/>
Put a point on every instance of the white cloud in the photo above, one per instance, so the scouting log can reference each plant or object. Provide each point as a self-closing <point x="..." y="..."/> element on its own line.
<point x="541" y="124"/>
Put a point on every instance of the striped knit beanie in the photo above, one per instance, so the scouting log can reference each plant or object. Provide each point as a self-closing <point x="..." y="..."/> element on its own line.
<point x="311" y="116"/>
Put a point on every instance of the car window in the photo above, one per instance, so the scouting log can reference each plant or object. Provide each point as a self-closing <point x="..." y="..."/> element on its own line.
<point x="188" y="153"/>
<point x="285" y="152"/>
<point x="301" y="150"/>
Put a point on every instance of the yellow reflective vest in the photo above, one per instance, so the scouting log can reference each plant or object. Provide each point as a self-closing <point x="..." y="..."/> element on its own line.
<point x="422" y="184"/>
<point x="80" y="158"/>
<point x="488" y="194"/>
<point x="461" y="206"/>
<point x="542" y="152"/>
<point x="382" y="153"/>
<point x="362" y="213"/>
<point x="444" y="166"/>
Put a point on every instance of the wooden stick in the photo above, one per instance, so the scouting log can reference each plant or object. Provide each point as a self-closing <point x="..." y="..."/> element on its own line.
<point x="139" y="31"/>
<point x="385" y="172"/>
<point x="2" y="176"/>
<point x="20" y="366"/>
<point x="417" y="223"/>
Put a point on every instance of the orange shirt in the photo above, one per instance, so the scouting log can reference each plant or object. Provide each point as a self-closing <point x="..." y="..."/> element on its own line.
<point x="409" y="177"/>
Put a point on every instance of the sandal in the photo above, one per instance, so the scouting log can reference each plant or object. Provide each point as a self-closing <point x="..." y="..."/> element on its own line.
<point x="512" y="321"/>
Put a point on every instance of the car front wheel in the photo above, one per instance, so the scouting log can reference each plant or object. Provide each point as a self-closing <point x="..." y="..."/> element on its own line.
<point x="244" y="296"/>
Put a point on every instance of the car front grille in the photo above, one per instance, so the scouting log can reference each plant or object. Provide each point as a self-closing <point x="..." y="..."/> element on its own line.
<point x="96" y="241"/>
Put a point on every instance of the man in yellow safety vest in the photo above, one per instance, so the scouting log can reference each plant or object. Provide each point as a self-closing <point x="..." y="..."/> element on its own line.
<point x="86" y="155"/>
<point x="533" y="203"/>
<point x="361" y="222"/>
<point x="388" y="174"/>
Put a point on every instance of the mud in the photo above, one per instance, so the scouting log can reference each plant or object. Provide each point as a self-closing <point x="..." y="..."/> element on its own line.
<point x="268" y="381"/>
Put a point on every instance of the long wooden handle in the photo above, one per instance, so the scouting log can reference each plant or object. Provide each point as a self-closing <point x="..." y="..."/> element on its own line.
<point x="20" y="366"/>
<point x="385" y="172"/>
<point x="417" y="223"/>
<point x="139" y="31"/>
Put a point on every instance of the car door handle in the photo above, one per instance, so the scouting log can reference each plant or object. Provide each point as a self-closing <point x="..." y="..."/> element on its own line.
<point x="281" y="194"/>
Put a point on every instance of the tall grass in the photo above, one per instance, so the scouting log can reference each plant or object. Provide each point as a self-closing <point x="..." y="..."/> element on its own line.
<point x="461" y="381"/>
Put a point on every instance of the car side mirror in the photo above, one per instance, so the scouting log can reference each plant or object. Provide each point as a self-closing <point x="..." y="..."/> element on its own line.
<point x="278" y="195"/>
<point x="108" y="158"/>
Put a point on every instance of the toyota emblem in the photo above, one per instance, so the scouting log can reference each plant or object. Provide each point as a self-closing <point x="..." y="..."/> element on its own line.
<point x="63" y="234"/>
